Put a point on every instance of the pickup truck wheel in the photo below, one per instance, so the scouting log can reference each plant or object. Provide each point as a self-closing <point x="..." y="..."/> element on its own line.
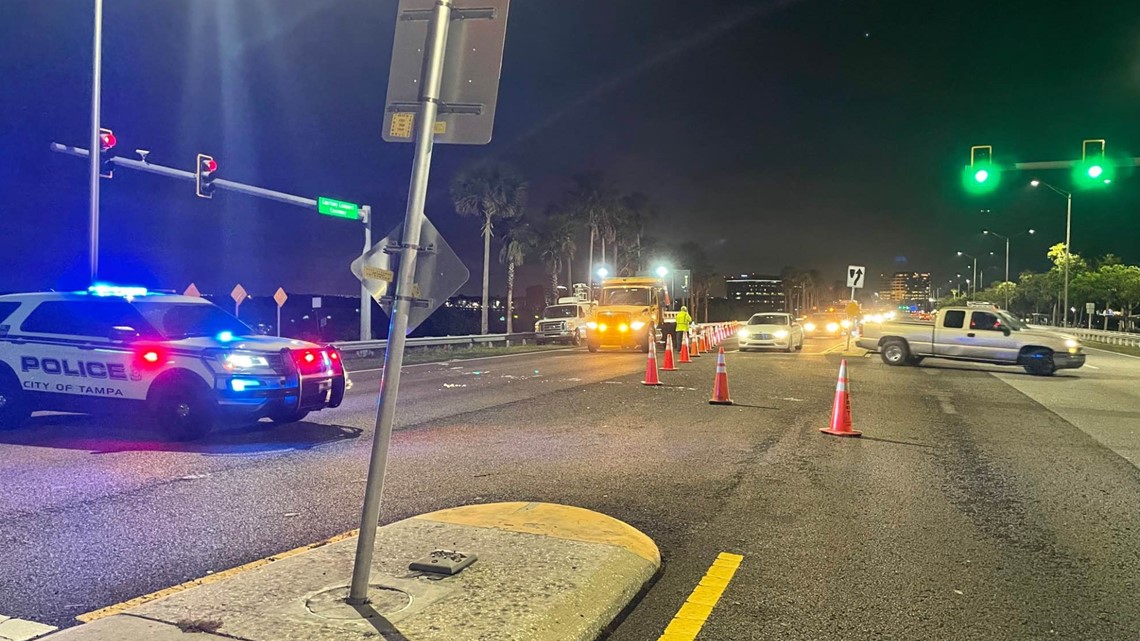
<point x="895" y="352"/>
<point x="577" y="339"/>
<point x="1040" y="363"/>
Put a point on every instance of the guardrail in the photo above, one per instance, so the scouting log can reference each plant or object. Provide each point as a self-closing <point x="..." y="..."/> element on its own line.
<point x="1110" y="338"/>
<point x="368" y="349"/>
<point x="1127" y="339"/>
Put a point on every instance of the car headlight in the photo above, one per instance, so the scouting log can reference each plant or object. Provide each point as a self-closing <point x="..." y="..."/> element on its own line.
<point x="637" y="325"/>
<point x="810" y="327"/>
<point x="1072" y="344"/>
<point x="845" y="323"/>
<point x="592" y="325"/>
<point x="601" y="327"/>
<point x="781" y="333"/>
<point x="242" y="361"/>
<point x="833" y="327"/>
<point x="536" y="326"/>
<point x="742" y="333"/>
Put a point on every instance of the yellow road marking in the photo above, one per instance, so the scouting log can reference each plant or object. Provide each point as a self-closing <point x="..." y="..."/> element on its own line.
<point x="692" y="616"/>
<point x="209" y="578"/>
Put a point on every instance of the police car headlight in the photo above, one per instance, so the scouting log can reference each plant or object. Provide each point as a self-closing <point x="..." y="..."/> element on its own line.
<point x="1070" y="343"/>
<point x="242" y="361"/>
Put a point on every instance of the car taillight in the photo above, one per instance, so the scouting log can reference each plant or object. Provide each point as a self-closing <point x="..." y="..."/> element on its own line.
<point x="335" y="360"/>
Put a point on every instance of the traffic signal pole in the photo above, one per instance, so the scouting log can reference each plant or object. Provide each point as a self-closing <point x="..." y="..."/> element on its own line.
<point x="365" y="211"/>
<point x="96" y="98"/>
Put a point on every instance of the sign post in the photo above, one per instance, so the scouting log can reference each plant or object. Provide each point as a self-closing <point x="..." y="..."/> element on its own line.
<point x="856" y="276"/>
<point x="280" y="297"/>
<point x="238" y="294"/>
<point x="1090" y="309"/>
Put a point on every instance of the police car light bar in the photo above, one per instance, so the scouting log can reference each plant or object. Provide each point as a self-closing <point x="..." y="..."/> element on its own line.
<point x="114" y="290"/>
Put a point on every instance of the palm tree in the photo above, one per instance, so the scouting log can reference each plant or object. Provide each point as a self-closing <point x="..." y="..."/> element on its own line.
<point x="558" y="246"/>
<point x="492" y="192"/>
<point x="593" y="203"/>
<point x="517" y="243"/>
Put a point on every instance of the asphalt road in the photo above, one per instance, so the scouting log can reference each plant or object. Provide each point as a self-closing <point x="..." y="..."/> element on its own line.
<point x="981" y="504"/>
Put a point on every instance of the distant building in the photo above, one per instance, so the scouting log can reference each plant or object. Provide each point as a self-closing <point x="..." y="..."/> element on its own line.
<point x="760" y="293"/>
<point x="911" y="288"/>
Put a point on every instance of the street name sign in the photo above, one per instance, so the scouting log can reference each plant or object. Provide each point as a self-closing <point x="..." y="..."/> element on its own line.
<point x="337" y="208"/>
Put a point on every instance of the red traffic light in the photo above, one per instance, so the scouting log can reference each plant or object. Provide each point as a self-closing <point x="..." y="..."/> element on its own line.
<point x="209" y="165"/>
<point x="107" y="139"/>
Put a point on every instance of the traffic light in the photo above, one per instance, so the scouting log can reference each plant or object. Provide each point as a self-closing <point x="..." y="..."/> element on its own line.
<point x="981" y="175"/>
<point x="205" y="176"/>
<point x="1094" y="170"/>
<point x="107" y="141"/>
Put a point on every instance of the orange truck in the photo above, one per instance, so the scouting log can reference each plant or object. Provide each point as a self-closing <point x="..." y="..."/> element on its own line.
<point x="630" y="313"/>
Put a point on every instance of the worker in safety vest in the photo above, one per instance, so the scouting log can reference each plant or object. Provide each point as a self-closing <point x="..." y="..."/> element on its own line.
<point x="683" y="322"/>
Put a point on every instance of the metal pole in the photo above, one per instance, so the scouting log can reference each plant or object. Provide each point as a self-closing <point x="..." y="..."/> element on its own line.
<point x="1068" y="253"/>
<point x="96" y="97"/>
<point x="974" y="284"/>
<point x="365" y="295"/>
<point x="434" y="50"/>
<point x="1007" y="260"/>
<point x="278" y="321"/>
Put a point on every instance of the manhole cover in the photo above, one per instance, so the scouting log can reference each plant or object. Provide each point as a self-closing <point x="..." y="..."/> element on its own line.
<point x="383" y="600"/>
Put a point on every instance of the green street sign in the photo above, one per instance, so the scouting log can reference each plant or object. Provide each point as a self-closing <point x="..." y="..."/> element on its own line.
<point x="337" y="208"/>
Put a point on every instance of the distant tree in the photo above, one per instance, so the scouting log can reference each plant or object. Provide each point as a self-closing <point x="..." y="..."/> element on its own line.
<point x="493" y="192"/>
<point x="593" y="203"/>
<point x="517" y="244"/>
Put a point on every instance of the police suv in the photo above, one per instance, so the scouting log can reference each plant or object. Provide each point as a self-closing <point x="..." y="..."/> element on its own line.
<point x="179" y="360"/>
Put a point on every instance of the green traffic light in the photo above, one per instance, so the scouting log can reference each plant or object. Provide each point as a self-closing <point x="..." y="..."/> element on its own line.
<point x="1092" y="174"/>
<point x="981" y="177"/>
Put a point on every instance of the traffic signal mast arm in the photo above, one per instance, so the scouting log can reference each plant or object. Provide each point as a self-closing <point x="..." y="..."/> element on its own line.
<point x="192" y="176"/>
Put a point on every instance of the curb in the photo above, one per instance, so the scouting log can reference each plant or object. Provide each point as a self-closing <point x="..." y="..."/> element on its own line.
<point x="544" y="572"/>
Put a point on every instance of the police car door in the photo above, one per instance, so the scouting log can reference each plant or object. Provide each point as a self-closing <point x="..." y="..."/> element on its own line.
<point x="75" y="347"/>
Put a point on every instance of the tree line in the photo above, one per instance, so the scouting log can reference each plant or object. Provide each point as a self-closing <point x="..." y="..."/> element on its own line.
<point x="591" y="219"/>
<point x="1106" y="282"/>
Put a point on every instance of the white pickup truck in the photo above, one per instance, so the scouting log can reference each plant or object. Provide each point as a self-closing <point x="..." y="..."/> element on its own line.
<point x="981" y="333"/>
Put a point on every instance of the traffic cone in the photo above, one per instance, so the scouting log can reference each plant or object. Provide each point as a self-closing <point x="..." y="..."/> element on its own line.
<point x="720" y="384"/>
<point x="651" y="366"/>
<point x="667" y="365"/>
<point x="685" y="350"/>
<point x="841" y="407"/>
<point x="695" y="343"/>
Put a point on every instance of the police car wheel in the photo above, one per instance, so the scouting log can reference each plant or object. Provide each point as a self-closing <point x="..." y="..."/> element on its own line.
<point x="281" y="417"/>
<point x="14" y="409"/>
<point x="184" y="410"/>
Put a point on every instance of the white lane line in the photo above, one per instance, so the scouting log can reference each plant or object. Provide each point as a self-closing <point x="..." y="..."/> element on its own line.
<point x="1092" y="366"/>
<point x="21" y="630"/>
<point x="932" y="372"/>
<point x="464" y="360"/>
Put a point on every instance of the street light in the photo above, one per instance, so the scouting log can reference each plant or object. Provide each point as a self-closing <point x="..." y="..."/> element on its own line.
<point x="661" y="271"/>
<point x="1068" y="246"/>
<point x="603" y="272"/>
<point x="1007" y="239"/>
<point x="975" y="258"/>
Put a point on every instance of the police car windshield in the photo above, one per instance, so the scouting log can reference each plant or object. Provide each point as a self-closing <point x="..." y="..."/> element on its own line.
<point x="560" y="311"/>
<point x="186" y="320"/>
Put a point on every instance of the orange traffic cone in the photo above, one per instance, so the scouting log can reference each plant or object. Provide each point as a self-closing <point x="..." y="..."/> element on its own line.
<point x="667" y="365"/>
<point x="841" y="407"/>
<point x="696" y="343"/>
<point x="720" y="384"/>
<point x="685" y="350"/>
<point x="651" y="366"/>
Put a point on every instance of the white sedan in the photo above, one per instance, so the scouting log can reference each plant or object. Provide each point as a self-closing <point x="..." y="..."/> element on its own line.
<point x="770" y="330"/>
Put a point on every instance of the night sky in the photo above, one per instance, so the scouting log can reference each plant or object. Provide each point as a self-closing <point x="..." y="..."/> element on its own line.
<point x="813" y="133"/>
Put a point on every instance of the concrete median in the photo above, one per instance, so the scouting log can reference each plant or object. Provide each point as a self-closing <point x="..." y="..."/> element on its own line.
<point x="543" y="572"/>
